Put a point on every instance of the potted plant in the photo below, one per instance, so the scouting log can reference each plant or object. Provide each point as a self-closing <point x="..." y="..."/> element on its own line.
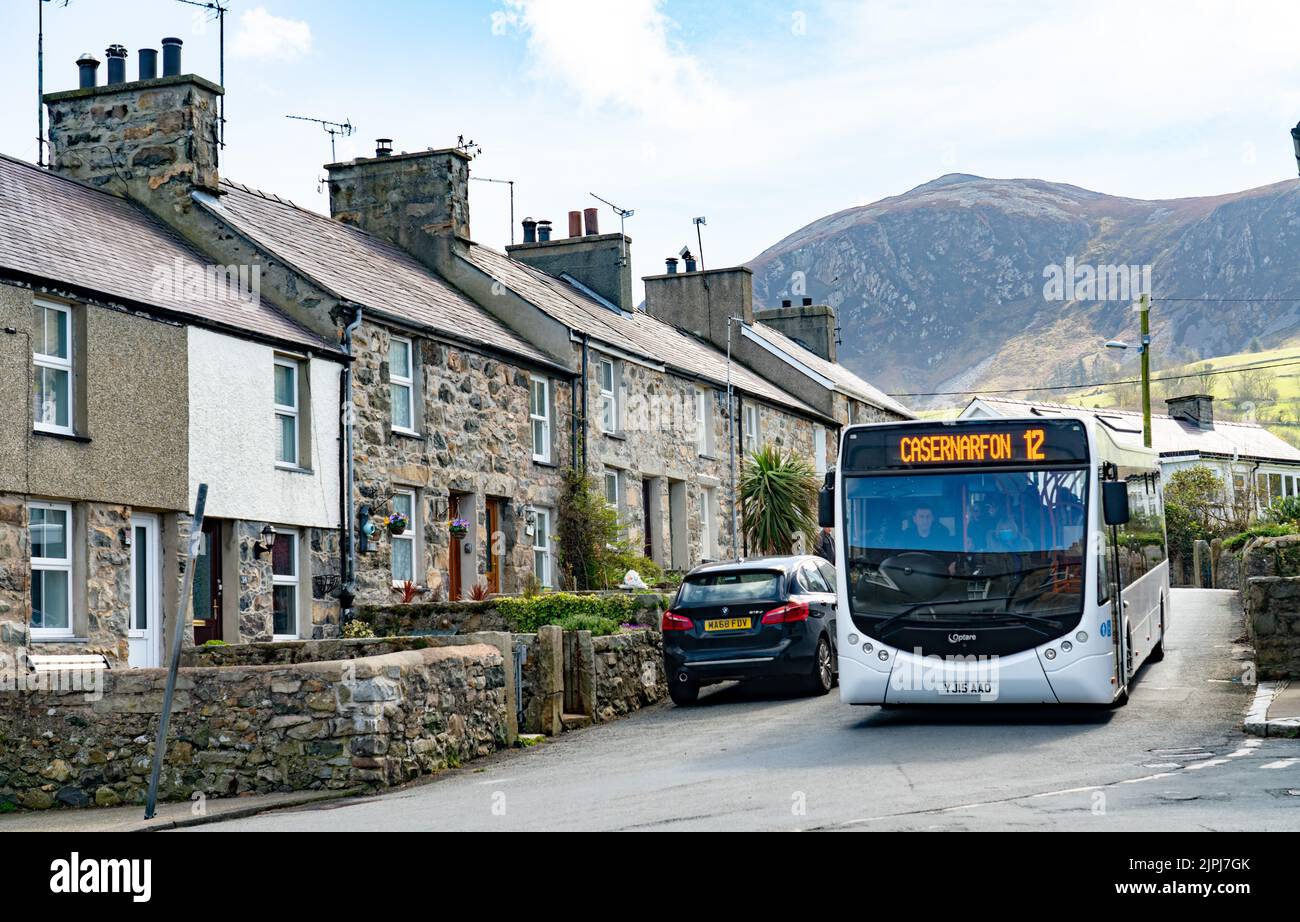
<point x="395" y="523"/>
<point x="459" y="528"/>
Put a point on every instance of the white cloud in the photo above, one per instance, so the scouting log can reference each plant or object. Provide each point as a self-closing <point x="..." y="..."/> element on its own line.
<point x="623" y="54"/>
<point x="262" y="35"/>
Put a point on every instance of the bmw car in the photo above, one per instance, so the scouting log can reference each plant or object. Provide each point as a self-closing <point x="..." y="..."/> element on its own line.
<point x="765" y="618"/>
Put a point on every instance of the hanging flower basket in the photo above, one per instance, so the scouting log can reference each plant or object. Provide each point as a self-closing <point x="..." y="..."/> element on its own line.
<point x="458" y="528"/>
<point x="395" y="523"/>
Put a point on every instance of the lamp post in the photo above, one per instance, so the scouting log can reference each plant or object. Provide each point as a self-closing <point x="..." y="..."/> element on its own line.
<point x="1143" y="307"/>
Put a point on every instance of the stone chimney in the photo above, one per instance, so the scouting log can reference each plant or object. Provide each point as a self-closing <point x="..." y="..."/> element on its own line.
<point x="419" y="201"/>
<point x="152" y="140"/>
<point x="1197" y="409"/>
<point x="810" y="325"/>
<point x="701" y="302"/>
<point x="601" y="262"/>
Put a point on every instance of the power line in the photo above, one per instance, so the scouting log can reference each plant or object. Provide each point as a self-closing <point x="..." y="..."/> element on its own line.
<point x="1257" y="366"/>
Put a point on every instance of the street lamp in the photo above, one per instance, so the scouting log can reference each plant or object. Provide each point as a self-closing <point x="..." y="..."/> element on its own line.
<point x="1295" y="142"/>
<point x="1143" y="307"/>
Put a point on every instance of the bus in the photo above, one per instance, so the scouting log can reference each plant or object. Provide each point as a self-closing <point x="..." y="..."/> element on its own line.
<point x="995" y="561"/>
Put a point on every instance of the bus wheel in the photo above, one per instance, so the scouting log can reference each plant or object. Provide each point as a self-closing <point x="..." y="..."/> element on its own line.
<point x="1158" y="651"/>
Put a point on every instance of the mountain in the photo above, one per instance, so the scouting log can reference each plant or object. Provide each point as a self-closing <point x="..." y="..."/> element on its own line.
<point x="943" y="288"/>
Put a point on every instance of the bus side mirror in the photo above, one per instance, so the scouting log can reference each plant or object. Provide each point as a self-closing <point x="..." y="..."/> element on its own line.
<point x="826" y="502"/>
<point x="1114" y="502"/>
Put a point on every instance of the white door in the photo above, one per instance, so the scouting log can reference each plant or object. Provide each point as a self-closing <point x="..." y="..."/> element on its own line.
<point x="144" y="632"/>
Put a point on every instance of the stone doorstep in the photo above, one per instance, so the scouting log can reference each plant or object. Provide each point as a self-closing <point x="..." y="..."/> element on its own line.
<point x="1275" y="711"/>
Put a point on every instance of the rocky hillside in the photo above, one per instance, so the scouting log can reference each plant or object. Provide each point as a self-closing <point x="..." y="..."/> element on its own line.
<point x="943" y="288"/>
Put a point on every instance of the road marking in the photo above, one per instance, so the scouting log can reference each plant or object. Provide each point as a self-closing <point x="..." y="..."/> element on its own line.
<point x="1282" y="763"/>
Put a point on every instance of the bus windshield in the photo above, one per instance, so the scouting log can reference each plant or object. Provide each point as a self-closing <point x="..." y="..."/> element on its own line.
<point x="955" y="547"/>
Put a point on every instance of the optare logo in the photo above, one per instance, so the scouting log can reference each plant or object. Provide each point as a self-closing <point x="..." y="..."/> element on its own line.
<point x="103" y="875"/>
<point x="960" y="638"/>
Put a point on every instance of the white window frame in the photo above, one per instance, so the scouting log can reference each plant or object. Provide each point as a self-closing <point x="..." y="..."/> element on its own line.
<point x="616" y="476"/>
<point x="703" y="422"/>
<point x="546" y="577"/>
<point x="295" y="580"/>
<point x="544" y="453"/>
<point x="819" y="449"/>
<point x="408" y="535"/>
<point x="749" y="420"/>
<point x="406" y="380"/>
<point x="608" y="395"/>
<point x="56" y="564"/>
<point x="708" y="504"/>
<point x="285" y="410"/>
<point x="55" y="363"/>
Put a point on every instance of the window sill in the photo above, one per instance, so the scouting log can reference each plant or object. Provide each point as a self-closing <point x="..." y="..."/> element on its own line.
<point x="293" y="469"/>
<point x="65" y="436"/>
<point x="620" y="435"/>
<point x="408" y="434"/>
<point x="57" y="639"/>
<point x="544" y="462"/>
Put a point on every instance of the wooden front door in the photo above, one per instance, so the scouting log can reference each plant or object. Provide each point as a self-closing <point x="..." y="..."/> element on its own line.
<point x="454" y="582"/>
<point x="493" y="541"/>
<point x="206" y="603"/>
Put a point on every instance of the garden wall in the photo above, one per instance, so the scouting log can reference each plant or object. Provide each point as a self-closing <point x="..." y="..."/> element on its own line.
<point x="342" y="723"/>
<point x="1271" y="602"/>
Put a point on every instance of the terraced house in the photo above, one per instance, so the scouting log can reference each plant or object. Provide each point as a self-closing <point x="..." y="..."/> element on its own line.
<point x="386" y="366"/>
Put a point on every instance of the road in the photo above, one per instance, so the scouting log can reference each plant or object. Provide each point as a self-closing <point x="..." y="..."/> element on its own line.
<point x="1173" y="759"/>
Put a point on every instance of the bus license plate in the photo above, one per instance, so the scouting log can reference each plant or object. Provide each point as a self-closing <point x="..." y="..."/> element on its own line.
<point x="728" y="624"/>
<point x="965" y="688"/>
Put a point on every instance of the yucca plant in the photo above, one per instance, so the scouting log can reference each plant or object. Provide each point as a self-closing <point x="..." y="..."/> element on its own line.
<point x="778" y="500"/>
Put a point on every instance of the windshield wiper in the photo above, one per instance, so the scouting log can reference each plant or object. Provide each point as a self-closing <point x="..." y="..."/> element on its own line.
<point x="906" y="613"/>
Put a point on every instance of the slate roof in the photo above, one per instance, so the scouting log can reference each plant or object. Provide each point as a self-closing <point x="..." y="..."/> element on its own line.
<point x="1169" y="436"/>
<point x="359" y="267"/>
<point x="634" y="332"/>
<point x="65" y="232"/>
<point x="845" y="381"/>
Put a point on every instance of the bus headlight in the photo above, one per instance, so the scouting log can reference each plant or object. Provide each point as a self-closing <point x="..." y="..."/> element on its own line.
<point x="884" y="655"/>
<point x="867" y="648"/>
<point x="1050" y="653"/>
<point x="853" y="640"/>
<point x="1066" y="646"/>
<point x="1082" y="637"/>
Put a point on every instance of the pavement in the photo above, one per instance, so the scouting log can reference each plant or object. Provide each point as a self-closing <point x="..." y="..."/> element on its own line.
<point x="1175" y="758"/>
<point x="1275" y="710"/>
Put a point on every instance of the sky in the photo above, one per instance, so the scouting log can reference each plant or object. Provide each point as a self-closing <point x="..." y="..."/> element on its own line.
<point x="760" y="116"/>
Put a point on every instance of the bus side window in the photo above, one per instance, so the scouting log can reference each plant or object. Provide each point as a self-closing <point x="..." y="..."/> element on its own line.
<point x="1103" y="570"/>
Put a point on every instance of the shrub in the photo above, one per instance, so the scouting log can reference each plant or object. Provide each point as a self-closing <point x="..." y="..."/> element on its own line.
<point x="593" y="550"/>
<point x="358" y="628"/>
<point x="1269" y="530"/>
<point x="594" y="623"/>
<point x="778" y="496"/>
<point x="1284" y="511"/>
<point x="563" y="608"/>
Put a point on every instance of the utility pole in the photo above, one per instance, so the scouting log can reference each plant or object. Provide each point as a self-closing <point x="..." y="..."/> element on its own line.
<point x="1144" y="308"/>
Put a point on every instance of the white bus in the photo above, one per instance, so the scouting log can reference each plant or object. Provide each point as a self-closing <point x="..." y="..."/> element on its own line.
<point x="994" y="561"/>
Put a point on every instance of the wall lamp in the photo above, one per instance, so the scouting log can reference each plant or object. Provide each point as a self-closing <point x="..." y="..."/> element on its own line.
<point x="265" y="545"/>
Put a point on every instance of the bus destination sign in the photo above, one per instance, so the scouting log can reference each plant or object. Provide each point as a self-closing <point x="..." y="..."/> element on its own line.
<point x="967" y="443"/>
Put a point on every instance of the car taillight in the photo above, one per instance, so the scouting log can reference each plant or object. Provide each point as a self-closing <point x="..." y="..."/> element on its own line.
<point x="675" y="622"/>
<point x="795" y="611"/>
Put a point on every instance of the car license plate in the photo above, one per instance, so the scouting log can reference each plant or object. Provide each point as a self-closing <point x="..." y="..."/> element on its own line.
<point x="728" y="624"/>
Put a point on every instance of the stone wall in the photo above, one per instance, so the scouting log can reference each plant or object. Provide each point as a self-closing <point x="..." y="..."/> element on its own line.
<point x="373" y="721"/>
<point x="428" y="617"/>
<point x="1271" y="603"/>
<point x="629" y="673"/>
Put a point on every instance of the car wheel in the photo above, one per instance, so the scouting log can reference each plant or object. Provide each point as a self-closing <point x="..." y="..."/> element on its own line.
<point x="684" y="694"/>
<point x="822" y="679"/>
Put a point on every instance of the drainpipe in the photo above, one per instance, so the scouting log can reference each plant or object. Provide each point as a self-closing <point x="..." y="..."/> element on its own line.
<point x="347" y="547"/>
<point x="586" y="345"/>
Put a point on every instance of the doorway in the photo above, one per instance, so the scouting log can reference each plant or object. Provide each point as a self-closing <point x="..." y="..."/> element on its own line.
<point x="146" y="602"/>
<point x="494" y="540"/>
<point x="207" y="605"/>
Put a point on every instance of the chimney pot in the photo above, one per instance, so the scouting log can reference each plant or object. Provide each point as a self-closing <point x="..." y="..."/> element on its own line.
<point x="786" y="302"/>
<point x="590" y="217"/>
<point x="148" y="63"/>
<point x="671" y="262"/>
<point x="690" y="263"/>
<point x="530" y="230"/>
<point x="87" y="68"/>
<point x="575" y="223"/>
<point x="383" y="147"/>
<point x="807" y="302"/>
<point x="116" y="55"/>
<point x="543" y="231"/>
<point x="172" y="56"/>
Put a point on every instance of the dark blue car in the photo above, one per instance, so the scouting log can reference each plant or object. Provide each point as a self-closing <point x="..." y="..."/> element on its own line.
<point x="765" y="618"/>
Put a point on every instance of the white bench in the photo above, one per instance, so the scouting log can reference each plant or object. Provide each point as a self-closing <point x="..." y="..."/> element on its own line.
<point x="66" y="662"/>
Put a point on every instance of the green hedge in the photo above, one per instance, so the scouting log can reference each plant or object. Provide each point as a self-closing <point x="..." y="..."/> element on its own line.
<point x="1237" y="542"/>
<point x="596" y="613"/>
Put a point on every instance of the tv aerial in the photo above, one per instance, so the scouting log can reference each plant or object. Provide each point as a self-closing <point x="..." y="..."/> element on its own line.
<point x="333" y="129"/>
<point x="623" y="215"/>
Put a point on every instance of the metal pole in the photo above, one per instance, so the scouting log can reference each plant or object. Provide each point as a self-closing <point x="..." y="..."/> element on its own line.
<point x="699" y="240"/>
<point x="1145" y="308"/>
<point x="187" y="583"/>
<point x="731" y="448"/>
<point x="40" y="82"/>
<point x="512" y="212"/>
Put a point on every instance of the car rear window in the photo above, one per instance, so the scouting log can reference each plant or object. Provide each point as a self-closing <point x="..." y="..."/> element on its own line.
<point x="724" y="588"/>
